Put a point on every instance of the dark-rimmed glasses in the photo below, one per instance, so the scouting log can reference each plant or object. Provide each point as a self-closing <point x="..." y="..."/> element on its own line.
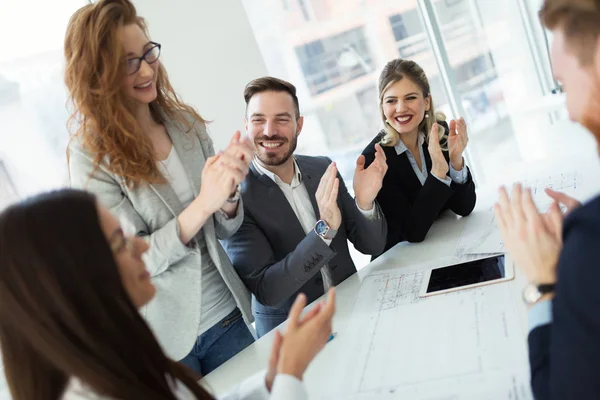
<point x="150" y="56"/>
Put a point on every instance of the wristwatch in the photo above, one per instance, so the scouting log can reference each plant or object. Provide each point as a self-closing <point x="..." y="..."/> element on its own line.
<point x="323" y="230"/>
<point x="235" y="197"/>
<point x="532" y="292"/>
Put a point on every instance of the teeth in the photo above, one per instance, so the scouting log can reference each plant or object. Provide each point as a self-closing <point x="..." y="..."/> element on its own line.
<point x="145" y="85"/>
<point x="271" y="145"/>
<point x="403" y="119"/>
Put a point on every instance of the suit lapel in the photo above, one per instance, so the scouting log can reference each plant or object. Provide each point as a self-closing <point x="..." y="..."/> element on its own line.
<point x="311" y="179"/>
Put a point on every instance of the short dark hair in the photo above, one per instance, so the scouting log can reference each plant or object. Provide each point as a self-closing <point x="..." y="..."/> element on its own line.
<point x="269" y="83"/>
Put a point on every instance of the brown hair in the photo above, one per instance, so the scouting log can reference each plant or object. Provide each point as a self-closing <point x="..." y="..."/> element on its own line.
<point x="64" y="312"/>
<point x="102" y="115"/>
<point x="579" y="20"/>
<point x="269" y="83"/>
<point x="393" y="72"/>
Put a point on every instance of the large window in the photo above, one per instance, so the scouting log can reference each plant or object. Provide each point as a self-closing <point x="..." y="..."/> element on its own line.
<point x="33" y="115"/>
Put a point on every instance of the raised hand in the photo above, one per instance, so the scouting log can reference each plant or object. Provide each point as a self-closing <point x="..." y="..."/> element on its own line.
<point x="457" y="142"/>
<point x="241" y="149"/>
<point x="305" y="337"/>
<point x="569" y="202"/>
<point x="219" y="176"/>
<point x="532" y="239"/>
<point x="368" y="182"/>
<point x="326" y="196"/>
<point x="439" y="165"/>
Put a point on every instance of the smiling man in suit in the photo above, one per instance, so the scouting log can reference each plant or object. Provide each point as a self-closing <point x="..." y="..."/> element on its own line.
<point x="298" y="213"/>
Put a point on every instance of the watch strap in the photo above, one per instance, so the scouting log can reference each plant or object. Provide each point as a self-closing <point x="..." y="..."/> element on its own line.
<point x="545" y="288"/>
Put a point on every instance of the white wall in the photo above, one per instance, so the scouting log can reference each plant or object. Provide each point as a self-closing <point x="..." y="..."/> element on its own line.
<point x="210" y="54"/>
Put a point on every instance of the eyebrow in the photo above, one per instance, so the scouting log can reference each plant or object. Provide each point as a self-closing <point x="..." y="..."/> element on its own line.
<point x="395" y="97"/>
<point x="131" y="53"/>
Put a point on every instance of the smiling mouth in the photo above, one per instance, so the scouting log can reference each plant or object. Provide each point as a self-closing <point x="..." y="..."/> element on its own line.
<point x="271" y="145"/>
<point x="145" y="85"/>
<point x="404" y="119"/>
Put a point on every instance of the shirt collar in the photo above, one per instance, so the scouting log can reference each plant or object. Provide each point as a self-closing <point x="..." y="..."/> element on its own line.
<point x="296" y="180"/>
<point x="401" y="147"/>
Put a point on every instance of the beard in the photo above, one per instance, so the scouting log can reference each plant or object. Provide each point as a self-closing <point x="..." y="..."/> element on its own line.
<point x="275" y="160"/>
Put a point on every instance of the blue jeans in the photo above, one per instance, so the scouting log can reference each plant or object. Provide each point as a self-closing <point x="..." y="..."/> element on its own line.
<point x="222" y="341"/>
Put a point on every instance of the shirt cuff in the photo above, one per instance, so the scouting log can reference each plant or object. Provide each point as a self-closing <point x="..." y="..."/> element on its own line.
<point x="446" y="181"/>
<point x="288" y="387"/>
<point x="369" y="214"/>
<point x="540" y="314"/>
<point x="254" y="387"/>
<point x="459" y="177"/>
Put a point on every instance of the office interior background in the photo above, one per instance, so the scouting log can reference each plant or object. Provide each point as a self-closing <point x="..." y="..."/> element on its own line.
<point x="487" y="60"/>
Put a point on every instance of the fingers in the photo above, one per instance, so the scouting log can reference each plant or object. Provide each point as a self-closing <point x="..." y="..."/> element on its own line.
<point x="295" y="311"/>
<point x="556" y="219"/>
<point x="329" y="308"/>
<point x="234" y="162"/>
<point x="563" y="198"/>
<point x="434" y="141"/>
<point x="240" y="147"/>
<point x="452" y="126"/>
<point x="360" y="163"/>
<point x="515" y="204"/>
<point x="529" y="208"/>
<point x="275" y="349"/>
<point x="333" y="194"/>
<point x="326" y="182"/>
<point x="380" y="159"/>
<point x="235" y="138"/>
<point x="504" y="207"/>
<point x="311" y="313"/>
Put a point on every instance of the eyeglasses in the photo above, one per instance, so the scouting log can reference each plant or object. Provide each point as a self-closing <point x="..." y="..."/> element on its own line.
<point x="150" y="56"/>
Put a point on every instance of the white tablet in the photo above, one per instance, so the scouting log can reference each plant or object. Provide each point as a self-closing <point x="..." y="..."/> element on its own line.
<point x="483" y="271"/>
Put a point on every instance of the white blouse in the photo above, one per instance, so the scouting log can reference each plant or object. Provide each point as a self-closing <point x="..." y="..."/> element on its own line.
<point x="285" y="387"/>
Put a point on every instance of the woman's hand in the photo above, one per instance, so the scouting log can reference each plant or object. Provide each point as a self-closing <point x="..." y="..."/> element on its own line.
<point x="439" y="165"/>
<point x="457" y="143"/>
<point x="305" y="337"/>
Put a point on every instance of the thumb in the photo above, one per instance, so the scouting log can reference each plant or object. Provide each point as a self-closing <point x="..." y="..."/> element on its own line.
<point x="452" y="127"/>
<point x="360" y="163"/>
<point x="295" y="311"/>
<point x="235" y="138"/>
<point x="434" y="138"/>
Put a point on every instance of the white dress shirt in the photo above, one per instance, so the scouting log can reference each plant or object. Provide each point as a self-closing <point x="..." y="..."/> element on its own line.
<point x="299" y="199"/>
<point x="456" y="176"/>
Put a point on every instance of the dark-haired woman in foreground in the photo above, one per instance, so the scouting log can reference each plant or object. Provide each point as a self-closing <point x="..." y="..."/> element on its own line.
<point x="71" y="283"/>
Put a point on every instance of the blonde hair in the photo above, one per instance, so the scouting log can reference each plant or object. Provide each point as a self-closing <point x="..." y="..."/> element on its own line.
<point x="393" y="72"/>
<point x="101" y="113"/>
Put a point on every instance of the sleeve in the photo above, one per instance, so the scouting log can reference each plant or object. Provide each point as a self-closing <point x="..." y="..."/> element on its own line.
<point x="446" y="181"/>
<point x="369" y="214"/>
<point x="224" y="226"/>
<point x="459" y="177"/>
<point x="285" y="387"/>
<point x="462" y="201"/>
<point x="272" y="281"/>
<point x="368" y="234"/>
<point x="165" y="246"/>
<point x="564" y="354"/>
<point x="540" y="314"/>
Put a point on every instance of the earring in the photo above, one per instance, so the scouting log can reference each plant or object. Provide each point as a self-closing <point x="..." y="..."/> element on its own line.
<point x="426" y="114"/>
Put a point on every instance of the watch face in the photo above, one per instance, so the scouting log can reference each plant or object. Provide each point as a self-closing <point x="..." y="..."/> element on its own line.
<point x="531" y="294"/>
<point x="321" y="227"/>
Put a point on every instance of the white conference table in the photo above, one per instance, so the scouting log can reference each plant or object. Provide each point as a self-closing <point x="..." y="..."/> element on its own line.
<point x="440" y="242"/>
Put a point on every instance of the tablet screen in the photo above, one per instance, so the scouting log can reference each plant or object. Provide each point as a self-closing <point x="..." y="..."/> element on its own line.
<point x="468" y="273"/>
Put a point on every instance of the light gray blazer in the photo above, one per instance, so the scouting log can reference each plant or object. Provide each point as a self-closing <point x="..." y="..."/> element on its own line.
<point x="174" y="313"/>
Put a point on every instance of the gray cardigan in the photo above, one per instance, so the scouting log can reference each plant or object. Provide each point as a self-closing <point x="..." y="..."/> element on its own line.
<point x="174" y="313"/>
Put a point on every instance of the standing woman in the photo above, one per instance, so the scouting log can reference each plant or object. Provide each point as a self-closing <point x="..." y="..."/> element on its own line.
<point x="148" y="158"/>
<point x="417" y="188"/>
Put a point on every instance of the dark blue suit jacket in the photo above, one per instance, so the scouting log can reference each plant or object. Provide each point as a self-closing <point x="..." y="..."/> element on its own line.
<point x="565" y="355"/>
<point x="277" y="260"/>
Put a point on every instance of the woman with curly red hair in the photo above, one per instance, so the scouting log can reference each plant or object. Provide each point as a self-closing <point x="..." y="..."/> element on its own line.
<point x="148" y="158"/>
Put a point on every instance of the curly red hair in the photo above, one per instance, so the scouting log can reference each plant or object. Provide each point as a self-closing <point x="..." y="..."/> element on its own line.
<point x="102" y="116"/>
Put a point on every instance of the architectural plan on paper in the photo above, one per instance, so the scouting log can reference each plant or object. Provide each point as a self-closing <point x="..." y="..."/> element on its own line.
<point x="481" y="235"/>
<point x="462" y="345"/>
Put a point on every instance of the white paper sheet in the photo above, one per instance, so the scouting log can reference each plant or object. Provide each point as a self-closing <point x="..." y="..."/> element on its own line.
<point x="463" y="345"/>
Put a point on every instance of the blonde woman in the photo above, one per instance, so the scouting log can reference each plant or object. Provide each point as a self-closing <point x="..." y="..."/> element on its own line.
<point x="426" y="170"/>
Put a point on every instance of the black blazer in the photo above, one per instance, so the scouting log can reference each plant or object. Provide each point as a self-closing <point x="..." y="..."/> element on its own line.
<point x="410" y="209"/>
<point x="565" y="355"/>
<point x="277" y="260"/>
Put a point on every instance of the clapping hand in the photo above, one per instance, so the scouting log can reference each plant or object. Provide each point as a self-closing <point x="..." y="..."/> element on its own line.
<point x="326" y="196"/>
<point x="457" y="142"/>
<point x="368" y="181"/>
<point x="439" y="165"/>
